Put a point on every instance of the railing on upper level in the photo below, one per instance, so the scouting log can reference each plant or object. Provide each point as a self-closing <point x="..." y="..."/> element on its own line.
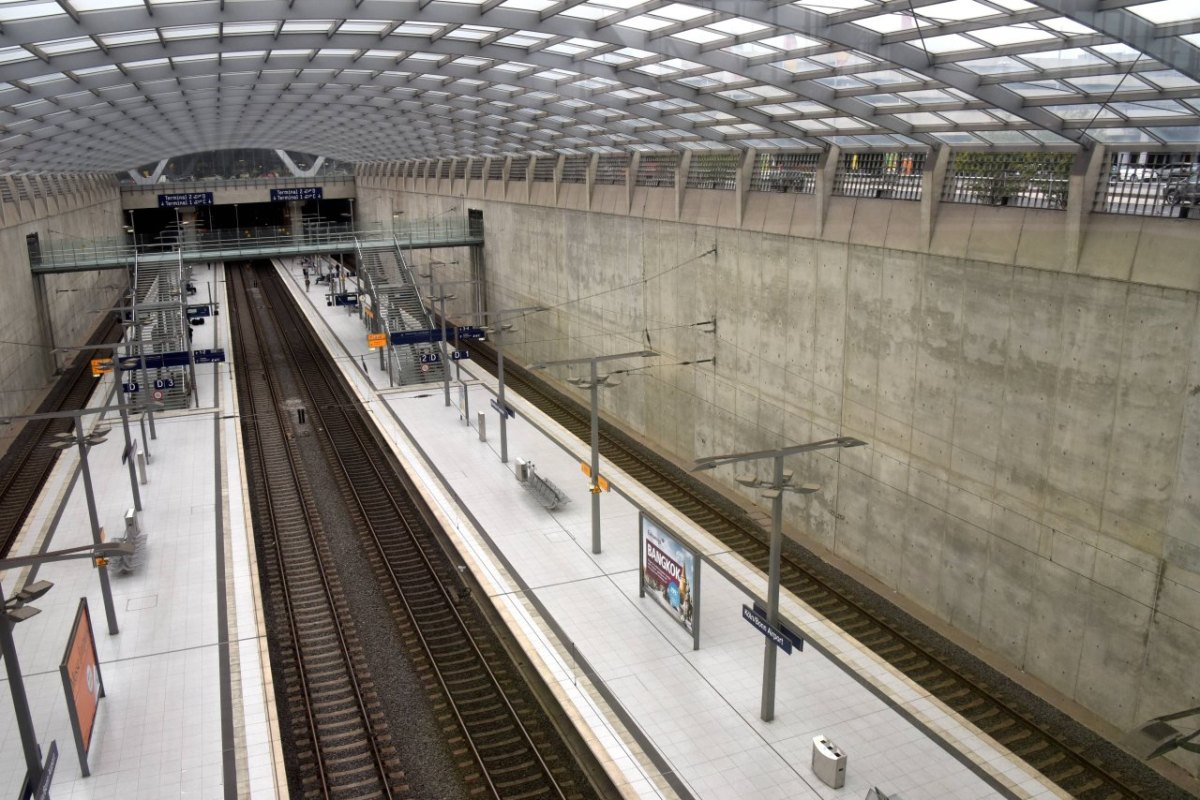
<point x="243" y="244"/>
<point x="219" y="184"/>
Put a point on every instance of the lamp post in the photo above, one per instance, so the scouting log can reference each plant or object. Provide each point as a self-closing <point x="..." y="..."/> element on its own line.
<point x="499" y="327"/>
<point x="594" y="384"/>
<point x="16" y="610"/>
<point x="774" y="489"/>
<point x="85" y="443"/>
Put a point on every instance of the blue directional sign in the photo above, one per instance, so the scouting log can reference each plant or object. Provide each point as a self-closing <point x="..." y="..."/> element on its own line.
<point x="796" y="639"/>
<point x="199" y="311"/>
<point x="431" y="358"/>
<point x="212" y="356"/>
<point x="776" y="637"/>
<point x="460" y="355"/>
<point x="507" y="407"/>
<point x="131" y="387"/>
<point x="164" y="383"/>
<point x="435" y="335"/>
<point x="345" y="299"/>
<point x="297" y="193"/>
<point x="185" y="199"/>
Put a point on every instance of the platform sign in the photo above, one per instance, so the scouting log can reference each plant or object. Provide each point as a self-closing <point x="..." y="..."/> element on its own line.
<point x="199" y="311"/>
<point x="185" y="199"/>
<point x="670" y="573"/>
<point x="434" y="335"/>
<point x="101" y="366"/>
<point x="80" y="670"/>
<point x="131" y="387"/>
<point x="297" y="193"/>
<point x="174" y="359"/>
<point x="760" y="623"/>
<point x="431" y="358"/>
<point x="601" y="481"/>
<point x="345" y="299"/>
<point x="796" y="639"/>
<point x="376" y="340"/>
<point x="507" y="407"/>
<point x="460" y="355"/>
<point x="213" y="356"/>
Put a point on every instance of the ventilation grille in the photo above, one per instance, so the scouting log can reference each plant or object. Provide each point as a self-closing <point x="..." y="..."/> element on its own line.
<point x="785" y="172"/>
<point x="713" y="171"/>
<point x="611" y="168"/>
<point x="1153" y="189"/>
<point x="543" y="170"/>
<point x="519" y="171"/>
<point x="575" y="169"/>
<point x="657" y="169"/>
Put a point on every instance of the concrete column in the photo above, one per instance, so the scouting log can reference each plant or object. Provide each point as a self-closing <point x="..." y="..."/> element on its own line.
<point x="591" y="180"/>
<point x="933" y="177"/>
<point x="631" y="178"/>
<point x="681" y="178"/>
<point x="487" y="170"/>
<point x="1081" y="195"/>
<point x="742" y="186"/>
<point x="558" y="173"/>
<point x="504" y="173"/>
<point x="826" y="169"/>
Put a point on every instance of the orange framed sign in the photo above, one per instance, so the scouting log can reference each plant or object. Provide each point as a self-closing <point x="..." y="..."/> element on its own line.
<point x="80" y="669"/>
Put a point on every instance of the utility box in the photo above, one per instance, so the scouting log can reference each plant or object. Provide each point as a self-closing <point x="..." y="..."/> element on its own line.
<point x="828" y="762"/>
<point x="522" y="470"/>
<point x="481" y="420"/>
<point x="131" y="524"/>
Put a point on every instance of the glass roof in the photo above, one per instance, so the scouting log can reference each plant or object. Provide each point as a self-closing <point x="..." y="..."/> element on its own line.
<point x="103" y="85"/>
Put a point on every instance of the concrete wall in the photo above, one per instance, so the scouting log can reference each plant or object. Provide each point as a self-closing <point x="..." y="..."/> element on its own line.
<point x="1034" y="419"/>
<point x="39" y="314"/>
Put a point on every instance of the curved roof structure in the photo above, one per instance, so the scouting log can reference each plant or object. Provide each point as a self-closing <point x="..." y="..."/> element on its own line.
<point x="103" y="85"/>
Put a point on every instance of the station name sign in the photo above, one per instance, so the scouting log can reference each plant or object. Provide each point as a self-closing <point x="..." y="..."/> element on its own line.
<point x="185" y="199"/>
<point x="297" y="193"/>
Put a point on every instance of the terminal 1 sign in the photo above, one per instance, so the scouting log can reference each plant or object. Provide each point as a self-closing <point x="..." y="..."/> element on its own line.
<point x="670" y="573"/>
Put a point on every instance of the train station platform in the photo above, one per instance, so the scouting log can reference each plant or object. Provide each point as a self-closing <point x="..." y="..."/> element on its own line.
<point x="188" y="700"/>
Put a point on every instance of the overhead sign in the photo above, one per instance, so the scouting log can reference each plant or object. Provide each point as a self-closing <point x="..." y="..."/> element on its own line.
<point x="431" y="358"/>
<point x="80" y="670"/>
<point x="174" y="359"/>
<point x="101" y="366"/>
<point x="460" y="355"/>
<point x="796" y="639"/>
<point x="776" y="636"/>
<point x="199" y="311"/>
<point x="297" y="193"/>
<point x="185" y="199"/>
<point x="666" y="564"/>
<point x="433" y="335"/>
<point x="345" y="299"/>
<point x="375" y="340"/>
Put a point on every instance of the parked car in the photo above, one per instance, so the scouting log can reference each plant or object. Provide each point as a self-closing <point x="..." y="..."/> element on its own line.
<point x="1184" y="189"/>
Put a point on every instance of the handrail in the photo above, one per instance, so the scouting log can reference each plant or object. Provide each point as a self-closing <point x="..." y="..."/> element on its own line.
<point x="201" y="184"/>
<point x="257" y="242"/>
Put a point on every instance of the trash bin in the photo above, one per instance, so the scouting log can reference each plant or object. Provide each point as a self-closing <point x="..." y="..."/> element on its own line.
<point x="828" y="762"/>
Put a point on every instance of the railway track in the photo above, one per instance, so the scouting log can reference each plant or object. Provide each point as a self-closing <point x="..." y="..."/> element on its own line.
<point x="504" y="742"/>
<point x="336" y="724"/>
<point x="28" y="461"/>
<point x="1081" y="763"/>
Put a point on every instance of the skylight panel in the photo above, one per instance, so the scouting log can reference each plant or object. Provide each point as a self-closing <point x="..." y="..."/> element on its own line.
<point x="831" y="6"/>
<point x="29" y="11"/>
<point x="842" y="83"/>
<point x="994" y="66"/>
<point x="968" y="117"/>
<point x="473" y="33"/>
<point x="177" y="33"/>
<point x="750" y="50"/>
<point x="1168" y="79"/>
<point x="1081" y="111"/>
<point x="888" y="77"/>
<point x="1012" y="34"/>
<point x="588" y="11"/>
<point x="736" y="26"/>
<point x="248" y="28"/>
<point x="893" y="23"/>
<point x="107" y="5"/>
<point x="1006" y="138"/>
<point x="1151" y="109"/>
<point x="884" y="101"/>
<point x="365" y="26"/>
<point x="1105" y="84"/>
<point x="956" y="138"/>
<point x="528" y="5"/>
<point x="566" y="49"/>
<point x="798" y="66"/>
<point x="128" y="37"/>
<point x="306" y="25"/>
<point x="680" y="12"/>
<point x="699" y="36"/>
<point x="958" y="11"/>
<point x="922" y="119"/>
<point x="1040" y="89"/>
<point x="657" y="70"/>
<point x="645" y="22"/>
<point x="1118" y="51"/>
<point x="1166" y="12"/>
<point x="950" y="43"/>
<point x="843" y="59"/>
<point x="1179" y="134"/>
<point x="66" y="46"/>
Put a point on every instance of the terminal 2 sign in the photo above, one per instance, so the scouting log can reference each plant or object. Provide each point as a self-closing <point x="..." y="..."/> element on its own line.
<point x="185" y="199"/>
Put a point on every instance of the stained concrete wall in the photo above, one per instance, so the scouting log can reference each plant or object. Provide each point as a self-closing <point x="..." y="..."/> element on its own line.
<point x="40" y="314"/>
<point x="1034" y="424"/>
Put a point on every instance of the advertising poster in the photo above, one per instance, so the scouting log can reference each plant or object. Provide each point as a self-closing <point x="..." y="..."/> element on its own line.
<point x="80" y="670"/>
<point x="670" y="573"/>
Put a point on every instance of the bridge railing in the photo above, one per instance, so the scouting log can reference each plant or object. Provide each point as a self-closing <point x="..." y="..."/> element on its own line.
<point x="255" y="242"/>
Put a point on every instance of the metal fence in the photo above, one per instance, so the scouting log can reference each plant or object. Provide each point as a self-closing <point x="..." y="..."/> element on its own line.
<point x="612" y="168"/>
<point x="1026" y="180"/>
<point x="1162" y="190"/>
<point x="785" y="172"/>
<point x="895" y="176"/>
<point x="713" y="170"/>
<point x="657" y="169"/>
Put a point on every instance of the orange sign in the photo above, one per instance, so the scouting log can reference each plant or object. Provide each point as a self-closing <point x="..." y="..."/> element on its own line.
<point x="101" y="366"/>
<point x="80" y="670"/>
<point x="601" y="482"/>
<point x="376" y="340"/>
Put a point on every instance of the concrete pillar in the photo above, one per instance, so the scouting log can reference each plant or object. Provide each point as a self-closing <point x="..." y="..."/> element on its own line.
<point x="631" y="179"/>
<point x="742" y="186"/>
<point x="590" y="185"/>
<point x="1081" y="194"/>
<point x="681" y="179"/>
<point x="826" y="169"/>
<point x="558" y="173"/>
<point x="933" y="178"/>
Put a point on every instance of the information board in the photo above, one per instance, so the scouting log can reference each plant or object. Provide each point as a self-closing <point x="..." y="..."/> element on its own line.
<point x="185" y="199"/>
<point x="80" y="670"/>
<point x="297" y="193"/>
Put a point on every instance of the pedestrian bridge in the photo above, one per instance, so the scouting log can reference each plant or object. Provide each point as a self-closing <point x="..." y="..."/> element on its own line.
<point x="244" y="245"/>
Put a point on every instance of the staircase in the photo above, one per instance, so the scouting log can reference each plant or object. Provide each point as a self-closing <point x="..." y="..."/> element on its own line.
<point x="159" y="326"/>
